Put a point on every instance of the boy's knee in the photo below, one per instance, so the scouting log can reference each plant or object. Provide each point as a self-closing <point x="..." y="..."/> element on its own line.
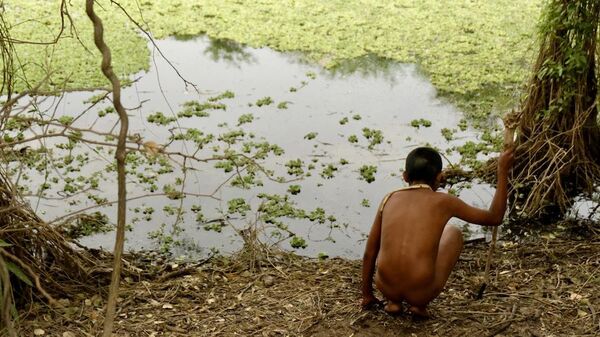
<point x="455" y="233"/>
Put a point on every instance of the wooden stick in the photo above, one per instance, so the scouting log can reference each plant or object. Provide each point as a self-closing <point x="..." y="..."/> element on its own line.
<point x="488" y="263"/>
<point x="509" y="142"/>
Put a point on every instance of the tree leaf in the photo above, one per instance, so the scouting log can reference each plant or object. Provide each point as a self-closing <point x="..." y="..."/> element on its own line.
<point x="13" y="268"/>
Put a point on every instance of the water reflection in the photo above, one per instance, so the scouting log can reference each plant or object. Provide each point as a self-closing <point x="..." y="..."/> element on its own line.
<point x="367" y="66"/>
<point x="229" y="51"/>
<point x="226" y="50"/>
<point x="238" y="54"/>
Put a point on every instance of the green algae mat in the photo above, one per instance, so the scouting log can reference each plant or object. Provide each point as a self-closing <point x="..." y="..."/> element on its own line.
<point x="476" y="52"/>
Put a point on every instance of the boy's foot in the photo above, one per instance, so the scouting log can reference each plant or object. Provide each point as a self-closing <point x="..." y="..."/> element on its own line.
<point x="419" y="313"/>
<point x="393" y="308"/>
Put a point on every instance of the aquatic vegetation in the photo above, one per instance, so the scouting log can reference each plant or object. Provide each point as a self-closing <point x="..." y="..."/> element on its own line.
<point x="264" y="101"/>
<point x="65" y="120"/>
<point x="73" y="61"/>
<point x="343" y="121"/>
<point x="470" y="150"/>
<point x="353" y="139"/>
<point x="197" y="109"/>
<point x="238" y="205"/>
<point x="311" y="135"/>
<point x="159" y="118"/>
<point x="283" y="105"/>
<point x="417" y="123"/>
<point x="328" y="171"/>
<point x="365" y="203"/>
<point x="226" y="165"/>
<point x="104" y="112"/>
<point x="295" y="167"/>
<point x="462" y="124"/>
<point x="298" y="242"/>
<point x="367" y="173"/>
<point x="448" y="134"/>
<point x="294" y="189"/>
<point x="224" y="95"/>
<point x="245" y="118"/>
<point x="474" y="51"/>
<point x="375" y="137"/>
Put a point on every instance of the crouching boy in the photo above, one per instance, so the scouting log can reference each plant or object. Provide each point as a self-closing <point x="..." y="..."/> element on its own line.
<point x="414" y="247"/>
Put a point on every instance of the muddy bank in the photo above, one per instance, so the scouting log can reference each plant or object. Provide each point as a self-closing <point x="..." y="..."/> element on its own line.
<point x="542" y="288"/>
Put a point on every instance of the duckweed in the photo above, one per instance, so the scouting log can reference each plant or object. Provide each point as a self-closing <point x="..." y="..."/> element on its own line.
<point x="245" y="118"/>
<point x="264" y="101"/>
<point x="294" y="189"/>
<point x="328" y="171"/>
<point x="448" y="134"/>
<point x="367" y="173"/>
<point x="375" y="137"/>
<point x="295" y="167"/>
<point x="417" y="123"/>
<point x="311" y="135"/>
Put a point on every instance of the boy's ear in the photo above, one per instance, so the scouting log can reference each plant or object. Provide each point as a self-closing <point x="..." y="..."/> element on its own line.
<point x="405" y="176"/>
<point x="441" y="179"/>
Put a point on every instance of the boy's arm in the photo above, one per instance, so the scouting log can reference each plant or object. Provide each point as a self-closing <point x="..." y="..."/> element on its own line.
<point x="369" y="259"/>
<point x="493" y="216"/>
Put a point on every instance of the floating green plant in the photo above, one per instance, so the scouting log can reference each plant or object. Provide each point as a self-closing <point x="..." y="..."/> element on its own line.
<point x="367" y="173"/>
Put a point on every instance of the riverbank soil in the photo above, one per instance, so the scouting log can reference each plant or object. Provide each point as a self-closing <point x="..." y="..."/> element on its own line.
<point x="546" y="287"/>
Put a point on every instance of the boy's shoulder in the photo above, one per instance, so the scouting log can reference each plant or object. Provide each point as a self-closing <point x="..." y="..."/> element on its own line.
<point x="440" y="196"/>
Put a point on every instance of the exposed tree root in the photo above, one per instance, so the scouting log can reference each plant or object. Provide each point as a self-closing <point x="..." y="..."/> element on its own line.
<point x="558" y="154"/>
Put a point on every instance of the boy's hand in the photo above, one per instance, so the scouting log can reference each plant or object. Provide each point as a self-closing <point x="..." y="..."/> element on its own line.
<point x="369" y="301"/>
<point x="506" y="160"/>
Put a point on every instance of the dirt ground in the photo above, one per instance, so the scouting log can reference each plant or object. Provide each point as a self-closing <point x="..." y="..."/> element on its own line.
<point x="550" y="287"/>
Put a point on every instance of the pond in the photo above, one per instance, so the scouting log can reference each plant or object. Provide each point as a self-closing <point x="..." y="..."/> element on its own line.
<point x="367" y="112"/>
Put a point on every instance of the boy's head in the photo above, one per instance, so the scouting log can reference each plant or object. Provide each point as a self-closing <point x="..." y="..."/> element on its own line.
<point x="423" y="164"/>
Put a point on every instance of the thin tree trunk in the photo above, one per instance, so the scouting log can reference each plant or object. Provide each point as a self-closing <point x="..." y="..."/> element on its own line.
<point x="120" y="157"/>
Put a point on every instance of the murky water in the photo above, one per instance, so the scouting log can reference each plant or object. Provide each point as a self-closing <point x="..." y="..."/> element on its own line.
<point x="385" y="95"/>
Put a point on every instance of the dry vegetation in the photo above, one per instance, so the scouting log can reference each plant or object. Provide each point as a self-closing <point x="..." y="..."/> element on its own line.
<point x="538" y="288"/>
<point x="558" y="156"/>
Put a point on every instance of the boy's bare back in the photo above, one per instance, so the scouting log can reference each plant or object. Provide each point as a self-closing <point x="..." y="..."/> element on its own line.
<point x="411" y="228"/>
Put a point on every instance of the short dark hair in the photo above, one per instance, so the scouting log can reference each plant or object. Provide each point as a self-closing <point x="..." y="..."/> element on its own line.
<point x="423" y="164"/>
